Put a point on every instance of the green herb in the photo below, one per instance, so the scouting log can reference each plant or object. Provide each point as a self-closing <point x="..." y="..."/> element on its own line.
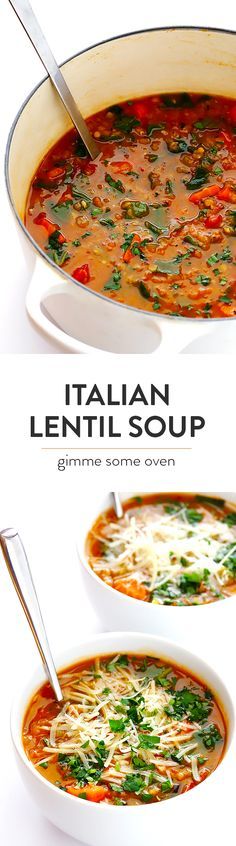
<point x="126" y="123"/>
<point x="153" y="127"/>
<point x="210" y="736"/>
<point x="122" y="661"/>
<point x="117" y="725"/>
<point x="114" y="183"/>
<point x="76" y="243"/>
<point x="154" y="228"/>
<point x="80" y="195"/>
<point x="173" y="507"/>
<point x="187" y="704"/>
<point x="166" y="786"/>
<point x="57" y="250"/>
<point x="44" y="765"/>
<point x="62" y="209"/>
<point x="133" y="783"/>
<point x="113" y="284"/>
<point x="83" y="775"/>
<point x="133" y="706"/>
<point x="107" y="221"/>
<point x="136" y="209"/>
<point x="118" y="801"/>
<point x="160" y="674"/>
<point x="143" y="290"/>
<point x="230" y="519"/>
<point x="148" y="741"/>
<point x="80" y="149"/>
<point x="177" y="101"/>
<point x="189" y="240"/>
<point x="169" y="187"/>
<point x="138" y="763"/>
<point x="228" y="550"/>
<point x="199" y="178"/>
<point x="205" y="123"/>
<point x="193" y="516"/>
<point x="216" y="257"/>
<point x="210" y="500"/>
<point x="203" y="280"/>
<point x="190" y="582"/>
<point x="225" y="299"/>
<point x="177" y="145"/>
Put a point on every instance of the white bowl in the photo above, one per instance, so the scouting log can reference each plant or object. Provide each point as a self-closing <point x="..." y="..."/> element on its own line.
<point x="193" y="624"/>
<point x="73" y="316"/>
<point x="101" y="825"/>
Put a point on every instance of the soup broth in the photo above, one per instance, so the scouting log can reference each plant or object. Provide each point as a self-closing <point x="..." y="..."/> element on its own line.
<point x="132" y="730"/>
<point x="152" y="221"/>
<point x="168" y="549"/>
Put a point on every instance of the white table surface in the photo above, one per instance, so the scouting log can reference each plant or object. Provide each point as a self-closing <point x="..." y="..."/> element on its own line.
<point x="69" y="28"/>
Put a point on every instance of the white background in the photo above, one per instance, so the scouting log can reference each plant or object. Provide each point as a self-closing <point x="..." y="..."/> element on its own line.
<point x="69" y="28"/>
<point x="46" y="505"/>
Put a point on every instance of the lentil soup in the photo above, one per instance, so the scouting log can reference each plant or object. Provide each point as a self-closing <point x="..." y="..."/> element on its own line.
<point x="167" y="549"/>
<point x="131" y="730"/>
<point x="152" y="221"/>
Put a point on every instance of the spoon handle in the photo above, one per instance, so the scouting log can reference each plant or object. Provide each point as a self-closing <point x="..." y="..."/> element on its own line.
<point x="21" y="576"/>
<point x="117" y="505"/>
<point x="32" y="28"/>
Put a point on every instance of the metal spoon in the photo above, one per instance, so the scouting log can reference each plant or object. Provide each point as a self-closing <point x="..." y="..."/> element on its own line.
<point x="32" y="28"/>
<point x="117" y="505"/>
<point x="20" y="573"/>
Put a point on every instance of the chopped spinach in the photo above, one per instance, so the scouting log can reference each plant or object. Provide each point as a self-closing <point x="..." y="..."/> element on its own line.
<point x="113" y="284"/>
<point x="148" y="741"/>
<point x="210" y="736"/>
<point x="114" y="183"/>
<point x="133" y="783"/>
<point x="187" y="704"/>
<point x="126" y="123"/>
<point x="199" y="178"/>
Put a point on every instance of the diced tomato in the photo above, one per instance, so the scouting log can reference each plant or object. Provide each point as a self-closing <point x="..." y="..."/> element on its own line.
<point x="88" y="167"/>
<point x="203" y="773"/>
<point x="141" y="110"/>
<point x="55" y="173"/>
<point x="121" y="167"/>
<point x="188" y="786"/>
<point x="128" y="253"/>
<point x="67" y="194"/>
<point x="50" y="227"/>
<point x="93" y="792"/>
<point x="204" y="193"/>
<point x="132" y="588"/>
<point x="82" y="274"/>
<point x="227" y="194"/>
<point x="213" y="221"/>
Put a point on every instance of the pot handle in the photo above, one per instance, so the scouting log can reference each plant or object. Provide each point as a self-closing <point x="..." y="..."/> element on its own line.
<point x="177" y="334"/>
<point x="42" y="287"/>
